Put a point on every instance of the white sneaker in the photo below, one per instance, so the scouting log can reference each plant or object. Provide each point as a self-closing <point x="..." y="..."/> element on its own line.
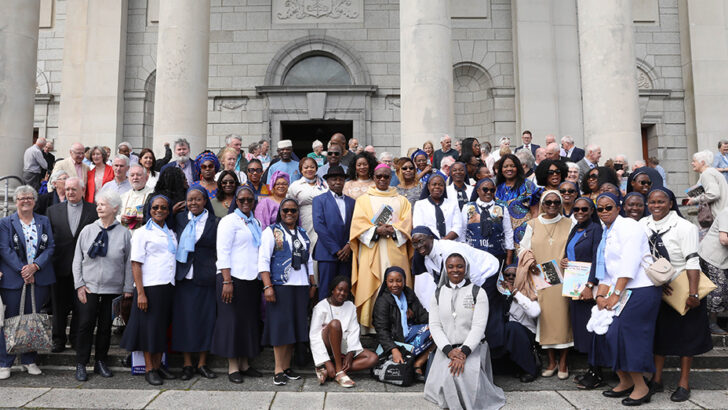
<point x="32" y="369"/>
<point x="4" y="373"/>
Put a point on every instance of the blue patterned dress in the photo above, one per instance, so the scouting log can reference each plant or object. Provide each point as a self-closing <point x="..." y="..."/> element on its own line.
<point x="518" y="201"/>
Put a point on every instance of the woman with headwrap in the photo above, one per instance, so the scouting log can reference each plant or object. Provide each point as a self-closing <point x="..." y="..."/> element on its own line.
<point x="153" y="250"/>
<point x="193" y="317"/>
<point x="676" y="239"/>
<point x="643" y="179"/>
<point x="487" y="224"/>
<point x="634" y="206"/>
<point x="409" y="186"/>
<point x="459" y="188"/>
<point x="581" y="246"/>
<point x="304" y="191"/>
<point x="595" y="178"/>
<point x="401" y="319"/>
<point x="286" y="268"/>
<point x="424" y="166"/>
<point x="438" y="212"/>
<point x="237" y="291"/>
<point x="208" y="165"/>
<point x="547" y="236"/>
<point x="267" y="209"/>
<point x="335" y="329"/>
<point x="627" y="345"/>
<point x="101" y="272"/>
<point x="461" y="375"/>
<point x="360" y="175"/>
<point x="378" y="244"/>
<point x="569" y="192"/>
<point x="516" y="193"/>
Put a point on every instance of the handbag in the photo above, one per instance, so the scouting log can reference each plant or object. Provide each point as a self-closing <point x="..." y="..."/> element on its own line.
<point x="705" y="217"/>
<point x="28" y="332"/>
<point x="398" y="374"/>
<point x="681" y="290"/>
<point x="660" y="271"/>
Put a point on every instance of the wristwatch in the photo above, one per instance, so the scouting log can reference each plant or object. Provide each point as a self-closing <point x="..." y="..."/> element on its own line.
<point x="589" y="285"/>
<point x="696" y="296"/>
<point x="617" y="292"/>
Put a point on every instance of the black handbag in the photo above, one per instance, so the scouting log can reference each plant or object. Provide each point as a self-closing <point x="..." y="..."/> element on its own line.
<point x="398" y="374"/>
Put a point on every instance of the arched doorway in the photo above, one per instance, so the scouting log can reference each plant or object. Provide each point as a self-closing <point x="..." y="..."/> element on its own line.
<point x="148" y="124"/>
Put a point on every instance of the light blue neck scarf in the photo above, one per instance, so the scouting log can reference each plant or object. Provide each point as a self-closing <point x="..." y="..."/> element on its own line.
<point x="188" y="238"/>
<point x="171" y="246"/>
<point x="402" y="305"/>
<point x="252" y="224"/>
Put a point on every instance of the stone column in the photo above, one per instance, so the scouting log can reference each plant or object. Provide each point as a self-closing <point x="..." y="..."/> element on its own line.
<point x="180" y="104"/>
<point x="608" y="77"/>
<point x="18" y="59"/>
<point x="426" y="81"/>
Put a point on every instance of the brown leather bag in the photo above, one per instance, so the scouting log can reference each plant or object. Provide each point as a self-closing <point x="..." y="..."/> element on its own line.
<point x="705" y="217"/>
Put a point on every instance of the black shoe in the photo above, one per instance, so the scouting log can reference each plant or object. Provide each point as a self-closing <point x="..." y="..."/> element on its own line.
<point x="102" y="369"/>
<point x="126" y="362"/>
<point x="616" y="394"/>
<point x="166" y="374"/>
<point x="188" y="372"/>
<point x="280" y="379"/>
<point x="81" y="372"/>
<point x="291" y="374"/>
<point x="656" y="387"/>
<point x="628" y="401"/>
<point x="681" y="394"/>
<point x="590" y="381"/>
<point x="152" y="377"/>
<point x="236" y="377"/>
<point x="58" y="347"/>
<point x="527" y="378"/>
<point x="252" y="372"/>
<point x="206" y="372"/>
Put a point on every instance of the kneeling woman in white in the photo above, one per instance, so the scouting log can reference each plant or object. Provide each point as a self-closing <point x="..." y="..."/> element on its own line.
<point x="461" y="376"/>
<point x="335" y="333"/>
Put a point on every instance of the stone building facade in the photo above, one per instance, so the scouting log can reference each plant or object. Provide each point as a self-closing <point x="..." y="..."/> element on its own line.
<point x="302" y="69"/>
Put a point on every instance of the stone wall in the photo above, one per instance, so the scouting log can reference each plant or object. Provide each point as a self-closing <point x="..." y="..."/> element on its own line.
<point x="50" y="65"/>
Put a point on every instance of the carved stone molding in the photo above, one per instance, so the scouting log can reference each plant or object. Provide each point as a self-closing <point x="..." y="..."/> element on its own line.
<point x="230" y="103"/>
<point x="644" y="82"/>
<point x="392" y="102"/>
<point x="41" y="83"/>
<point x="317" y="11"/>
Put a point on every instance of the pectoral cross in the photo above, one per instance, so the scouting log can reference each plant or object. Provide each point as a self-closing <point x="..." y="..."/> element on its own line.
<point x="551" y="241"/>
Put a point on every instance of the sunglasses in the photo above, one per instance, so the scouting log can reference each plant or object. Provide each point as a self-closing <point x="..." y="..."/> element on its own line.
<point x="335" y="154"/>
<point x="549" y="202"/>
<point x="255" y="170"/>
<point x="227" y="182"/>
<point x="289" y="210"/>
<point x="567" y="191"/>
<point x="382" y="176"/>
<point x="583" y="209"/>
<point x="407" y="168"/>
<point x="607" y="208"/>
<point x="243" y="200"/>
<point x="593" y="176"/>
<point x="159" y="208"/>
<point x="554" y="172"/>
<point x="486" y="190"/>
<point x="645" y="182"/>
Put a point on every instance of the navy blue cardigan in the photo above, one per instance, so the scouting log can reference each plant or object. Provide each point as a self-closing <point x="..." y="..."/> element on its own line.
<point x="204" y="258"/>
<point x="13" y="256"/>
<point x="585" y="249"/>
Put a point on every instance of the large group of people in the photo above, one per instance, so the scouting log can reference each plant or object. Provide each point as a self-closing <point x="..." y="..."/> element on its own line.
<point x="455" y="258"/>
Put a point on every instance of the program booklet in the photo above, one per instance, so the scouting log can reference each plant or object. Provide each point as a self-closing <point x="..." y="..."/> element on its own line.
<point x="694" y="191"/>
<point x="383" y="216"/>
<point x="576" y="275"/>
<point x="549" y="275"/>
<point x="619" y="307"/>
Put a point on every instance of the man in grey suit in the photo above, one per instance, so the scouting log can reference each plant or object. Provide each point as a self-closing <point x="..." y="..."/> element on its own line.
<point x="590" y="160"/>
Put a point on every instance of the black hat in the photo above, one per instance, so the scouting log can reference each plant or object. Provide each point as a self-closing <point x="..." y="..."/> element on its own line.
<point x="335" y="171"/>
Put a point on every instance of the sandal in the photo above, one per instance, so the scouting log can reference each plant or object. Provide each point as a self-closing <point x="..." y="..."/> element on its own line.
<point x="419" y="374"/>
<point x="322" y="374"/>
<point x="344" y="380"/>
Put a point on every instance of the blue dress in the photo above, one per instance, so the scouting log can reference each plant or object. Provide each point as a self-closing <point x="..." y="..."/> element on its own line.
<point x="519" y="202"/>
<point x="582" y="247"/>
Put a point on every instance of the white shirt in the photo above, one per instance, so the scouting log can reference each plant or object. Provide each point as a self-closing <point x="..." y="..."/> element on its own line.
<point x="680" y="238"/>
<point x="323" y="313"/>
<point x="120" y="188"/>
<point x="341" y="204"/>
<point x="424" y="214"/>
<point x="624" y="252"/>
<point x="267" y="244"/>
<point x="149" y="247"/>
<point x="524" y="311"/>
<point x="452" y="193"/>
<point x="152" y="181"/>
<point x="199" y="228"/>
<point x="235" y="248"/>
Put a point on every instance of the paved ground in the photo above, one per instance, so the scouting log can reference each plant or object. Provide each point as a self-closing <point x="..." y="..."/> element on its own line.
<point x="58" y="389"/>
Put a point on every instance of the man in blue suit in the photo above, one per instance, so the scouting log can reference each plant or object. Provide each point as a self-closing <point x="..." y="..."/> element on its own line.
<point x="332" y="213"/>
<point x="526" y="138"/>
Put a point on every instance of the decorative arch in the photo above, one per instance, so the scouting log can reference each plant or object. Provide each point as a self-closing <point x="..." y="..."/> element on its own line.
<point x="647" y="77"/>
<point x="148" y="124"/>
<point x="474" y="101"/>
<point x="313" y="45"/>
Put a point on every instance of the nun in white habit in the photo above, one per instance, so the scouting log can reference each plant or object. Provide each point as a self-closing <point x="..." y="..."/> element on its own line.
<point x="461" y="376"/>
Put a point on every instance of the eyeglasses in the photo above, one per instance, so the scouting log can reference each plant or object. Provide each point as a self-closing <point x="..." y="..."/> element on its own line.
<point x="207" y="166"/>
<point x="159" y="208"/>
<point x="645" y="182"/>
<point x="407" y="168"/>
<point x="487" y="190"/>
<point x="567" y="191"/>
<point x="593" y="176"/>
<point x="583" y="209"/>
<point x="289" y="210"/>
<point x="382" y="176"/>
<point x="607" y="208"/>
<point x="25" y="198"/>
<point x="255" y="170"/>
<point x="243" y="200"/>
<point x="227" y="182"/>
<point x="554" y="172"/>
<point x="549" y="202"/>
<point x="333" y="153"/>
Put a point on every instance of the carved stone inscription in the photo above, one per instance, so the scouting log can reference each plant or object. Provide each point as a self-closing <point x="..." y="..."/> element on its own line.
<point x="318" y="11"/>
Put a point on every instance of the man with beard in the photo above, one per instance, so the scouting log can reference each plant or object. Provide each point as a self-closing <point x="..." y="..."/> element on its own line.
<point x="182" y="161"/>
<point x="286" y="163"/>
<point x="132" y="201"/>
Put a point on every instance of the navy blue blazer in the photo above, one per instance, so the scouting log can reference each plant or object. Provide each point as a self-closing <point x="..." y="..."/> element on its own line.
<point x="333" y="233"/>
<point x="585" y="249"/>
<point x="204" y="258"/>
<point x="534" y="147"/>
<point x="576" y="155"/>
<point x="13" y="256"/>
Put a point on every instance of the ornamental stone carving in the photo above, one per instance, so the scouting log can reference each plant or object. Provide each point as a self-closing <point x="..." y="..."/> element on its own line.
<point x="230" y="103"/>
<point x="392" y="102"/>
<point x="644" y="82"/>
<point x="317" y="11"/>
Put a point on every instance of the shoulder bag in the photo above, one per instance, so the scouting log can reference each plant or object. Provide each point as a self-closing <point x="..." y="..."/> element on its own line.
<point x="28" y="332"/>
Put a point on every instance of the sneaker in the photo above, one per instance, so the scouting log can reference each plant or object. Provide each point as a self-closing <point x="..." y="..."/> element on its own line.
<point x="280" y="379"/>
<point x="291" y="375"/>
<point x="32" y="369"/>
<point x="717" y="330"/>
<point x="4" y="373"/>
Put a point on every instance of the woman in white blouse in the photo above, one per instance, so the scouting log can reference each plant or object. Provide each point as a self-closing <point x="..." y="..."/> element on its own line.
<point x="673" y="237"/>
<point x="335" y="329"/>
<point x="438" y="212"/>
<point x="153" y="267"/>
<point x="304" y="190"/>
<point x="629" y="338"/>
<point x="238" y="288"/>
<point x="286" y="268"/>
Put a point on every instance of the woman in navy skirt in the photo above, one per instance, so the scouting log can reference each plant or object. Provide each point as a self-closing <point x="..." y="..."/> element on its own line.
<point x="673" y="237"/>
<point x="237" y="333"/>
<point x="582" y="247"/>
<point x="193" y="317"/>
<point x="153" y="264"/>
<point x="629" y="338"/>
<point x="286" y="269"/>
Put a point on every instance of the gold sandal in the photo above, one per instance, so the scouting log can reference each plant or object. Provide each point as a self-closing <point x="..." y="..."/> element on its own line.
<point x="322" y="374"/>
<point x="344" y="380"/>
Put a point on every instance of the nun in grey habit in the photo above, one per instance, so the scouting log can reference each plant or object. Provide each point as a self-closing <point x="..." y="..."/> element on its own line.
<point x="458" y="316"/>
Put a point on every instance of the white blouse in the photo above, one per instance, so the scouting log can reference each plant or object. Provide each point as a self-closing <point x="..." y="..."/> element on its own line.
<point x="626" y="253"/>
<point x="323" y="313"/>
<point x="235" y="248"/>
<point x="680" y="238"/>
<point x="297" y="277"/>
<point x="453" y="193"/>
<point x="149" y="247"/>
<point x="524" y="311"/>
<point x="424" y="214"/>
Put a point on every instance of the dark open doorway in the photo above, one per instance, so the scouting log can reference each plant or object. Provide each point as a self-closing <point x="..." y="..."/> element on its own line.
<point x="304" y="133"/>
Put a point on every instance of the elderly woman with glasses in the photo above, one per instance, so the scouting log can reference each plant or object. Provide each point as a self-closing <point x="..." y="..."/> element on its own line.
<point x="286" y="269"/>
<point x="26" y="251"/>
<point x="56" y="192"/>
<point x="545" y="240"/>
